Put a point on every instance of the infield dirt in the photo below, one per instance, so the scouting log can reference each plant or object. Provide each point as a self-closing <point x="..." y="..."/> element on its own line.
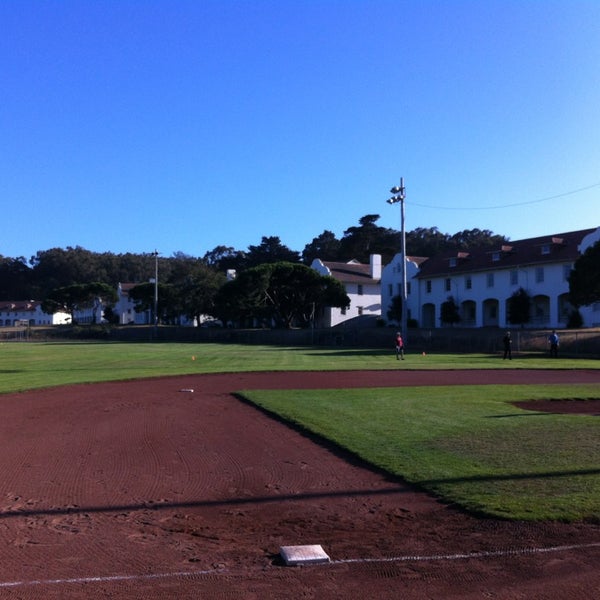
<point x="139" y="490"/>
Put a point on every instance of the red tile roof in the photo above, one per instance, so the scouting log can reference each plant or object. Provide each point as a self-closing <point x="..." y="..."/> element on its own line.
<point x="19" y="305"/>
<point x="554" y="248"/>
<point x="350" y="272"/>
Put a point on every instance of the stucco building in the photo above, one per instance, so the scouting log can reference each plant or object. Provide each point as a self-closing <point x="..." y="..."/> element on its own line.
<point x="481" y="281"/>
<point x="363" y="286"/>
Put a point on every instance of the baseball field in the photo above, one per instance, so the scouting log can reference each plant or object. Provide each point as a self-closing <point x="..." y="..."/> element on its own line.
<point x="180" y="470"/>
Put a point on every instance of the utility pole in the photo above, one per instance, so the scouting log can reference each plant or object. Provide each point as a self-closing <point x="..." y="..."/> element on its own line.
<point x="398" y="197"/>
<point x="155" y="254"/>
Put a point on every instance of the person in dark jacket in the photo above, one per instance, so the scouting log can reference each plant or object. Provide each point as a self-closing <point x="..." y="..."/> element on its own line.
<point x="507" y="341"/>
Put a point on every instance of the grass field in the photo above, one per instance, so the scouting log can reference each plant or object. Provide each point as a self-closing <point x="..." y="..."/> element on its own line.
<point x="27" y="365"/>
<point x="467" y="444"/>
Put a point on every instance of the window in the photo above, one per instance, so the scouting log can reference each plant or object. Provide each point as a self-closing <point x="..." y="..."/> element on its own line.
<point x="468" y="282"/>
<point x="514" y="277"/>
<point x="448" y="284"/>
<point x="546" y="249"/>
<point x="360" y="289"/>
<point x="407" y="288"/>
<point x="567" y="272"/>
<point x="453" y="261"/>
<point x="428" y="286"/>
<point x="390" y="289"/>
<point x="490" y="280"/>
<point x="496" y="256"/>
<point x="539" y="275"/>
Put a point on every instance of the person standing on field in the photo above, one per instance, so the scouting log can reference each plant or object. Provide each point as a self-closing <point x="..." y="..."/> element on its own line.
<point x="507" y="341"/>
<point x="554" y="341"/>
<point x="399" y="346"/>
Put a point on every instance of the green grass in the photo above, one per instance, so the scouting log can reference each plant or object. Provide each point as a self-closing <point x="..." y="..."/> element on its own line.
<point x="468" y="445"/>
<point x="34" y="365"/>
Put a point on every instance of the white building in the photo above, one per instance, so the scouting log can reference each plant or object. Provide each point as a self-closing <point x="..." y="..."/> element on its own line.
<point x="29" y="312"/>
<point x="481" y="281"/>
<point x="125" y="310"/>
<point x="363" y="287"/>
<point x="391" y="284"/>
<point x="125" y="307"/>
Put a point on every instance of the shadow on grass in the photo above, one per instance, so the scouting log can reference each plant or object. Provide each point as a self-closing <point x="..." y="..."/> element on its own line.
<point x="530" y="414"/>
<point x="510" y="477"/>
<point x="352" y="352"/>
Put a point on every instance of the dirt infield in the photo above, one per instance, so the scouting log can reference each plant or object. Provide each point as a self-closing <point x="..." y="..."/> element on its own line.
<point x="142" y="490"/>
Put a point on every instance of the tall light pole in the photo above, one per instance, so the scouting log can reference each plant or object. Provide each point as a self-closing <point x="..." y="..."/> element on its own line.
<point x="155" y="254"/>
<point x="399" y="196"/>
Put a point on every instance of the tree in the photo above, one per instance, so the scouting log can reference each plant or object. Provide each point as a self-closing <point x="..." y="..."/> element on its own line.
<point x="425" y="241"/>
<point x="287" y="293"/>
<point x="449" y="313"/>
<point x="584" y="280"/>
<point x="470" y="238"/>
<point x="519" y="308"/>
<point x="58" y="268"/>
<point x="15" y="279"/>
<point x="270" y="250"/>
<point x="223" y="258"/>
<point x="242" y="299"/>
<point x="326" y="247"/>
<point x="394" y="313"/>
<point x="199" y="291"/>
<point x="72" y="298"/>
<point x="360" y="242"/>
<point x="143" y="296"/>
<point x="430" y="241"/>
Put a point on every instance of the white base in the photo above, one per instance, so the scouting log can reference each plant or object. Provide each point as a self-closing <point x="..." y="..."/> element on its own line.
<point x="303" y="555"/>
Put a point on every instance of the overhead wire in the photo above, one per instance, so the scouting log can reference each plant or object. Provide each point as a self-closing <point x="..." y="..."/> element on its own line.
<point x="570" y="193"/>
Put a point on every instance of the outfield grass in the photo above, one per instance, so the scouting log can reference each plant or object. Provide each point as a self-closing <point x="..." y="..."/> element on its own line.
<point x="26" y="365"/>
<point x="468" y="445"/>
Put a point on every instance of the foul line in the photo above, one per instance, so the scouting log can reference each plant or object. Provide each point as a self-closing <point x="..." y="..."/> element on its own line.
<point x="466" y="556"/>
<point x="109" y="578"/>
<point x="416" y="558"/>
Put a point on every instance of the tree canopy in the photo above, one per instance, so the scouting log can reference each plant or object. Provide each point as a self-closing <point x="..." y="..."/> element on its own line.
<point x="283" y="292"/>
<point x="272" y="283"/>
<point x="192" y="282"/>
<point x="71" y="298"/>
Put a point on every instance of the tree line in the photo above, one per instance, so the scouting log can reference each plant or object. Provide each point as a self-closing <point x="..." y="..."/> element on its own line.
<point x="273" y="283"/>
<point x="48" y="270"/>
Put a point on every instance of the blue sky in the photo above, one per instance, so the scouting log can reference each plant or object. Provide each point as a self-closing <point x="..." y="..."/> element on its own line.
<point x="129" y="126"/>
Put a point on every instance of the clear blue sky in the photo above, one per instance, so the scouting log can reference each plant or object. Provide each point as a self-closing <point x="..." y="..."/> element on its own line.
<point x="129" y="126"/>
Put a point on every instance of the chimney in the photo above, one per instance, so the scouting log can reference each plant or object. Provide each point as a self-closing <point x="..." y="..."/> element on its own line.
<point x="376" y="266"/>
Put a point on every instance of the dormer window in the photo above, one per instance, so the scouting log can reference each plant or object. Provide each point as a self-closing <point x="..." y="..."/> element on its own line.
<point x="453" y="261"/>
<point x="496" y="256"/>
<point x="546" y="249"/>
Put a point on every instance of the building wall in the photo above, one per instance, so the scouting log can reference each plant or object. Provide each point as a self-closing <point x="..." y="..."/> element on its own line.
<point x="391" y="285"/>
<point x="31" y="313"/>
<point x="367" y="303"/>
<point x="365" y="297"/>
<point x="482" y="296"/>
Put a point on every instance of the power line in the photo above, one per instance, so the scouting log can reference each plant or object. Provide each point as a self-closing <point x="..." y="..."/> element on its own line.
<point x="589" y="187"/>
